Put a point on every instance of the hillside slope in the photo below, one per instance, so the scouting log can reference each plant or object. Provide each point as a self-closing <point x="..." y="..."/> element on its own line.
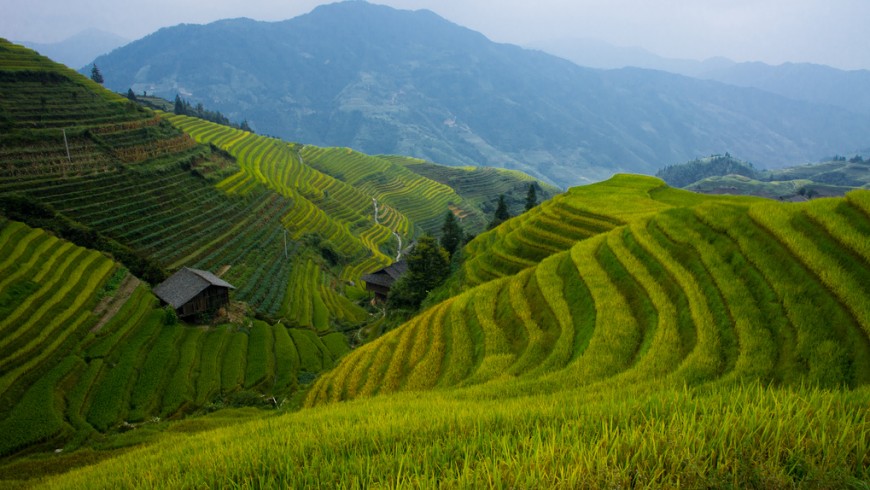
<point x="87" y="349"/>
<point x="385" y="81"/>
<point x="685" y="288"/>
<point x="89" y="171"/>
<point x="727" y="175"/>
<point x="137" y="184"/>
<point x="689" y="346"/>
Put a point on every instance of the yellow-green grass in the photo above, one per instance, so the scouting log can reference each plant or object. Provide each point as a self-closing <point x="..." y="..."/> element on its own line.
<point x="734" y="436"/>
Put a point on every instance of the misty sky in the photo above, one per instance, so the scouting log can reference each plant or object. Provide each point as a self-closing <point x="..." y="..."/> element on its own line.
<point x="832" y="32"/>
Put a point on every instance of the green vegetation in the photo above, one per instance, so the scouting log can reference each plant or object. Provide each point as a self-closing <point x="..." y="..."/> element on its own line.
<point x="64" y="382"/>
<point x="428" y="267"/>
<point x="622" y="334"/>
<point x="726" y="175"/>
<point x="640" y="276"/>
<point x="741" y="436"/>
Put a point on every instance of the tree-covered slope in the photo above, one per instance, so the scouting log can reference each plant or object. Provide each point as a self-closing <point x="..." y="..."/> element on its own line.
<point x="385" y="81"/>
<point x="727" y="175"/>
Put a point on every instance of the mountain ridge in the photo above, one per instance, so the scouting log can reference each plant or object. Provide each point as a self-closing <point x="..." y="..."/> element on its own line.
<point x="809" y="82"/>
<point x="386" y="81"/>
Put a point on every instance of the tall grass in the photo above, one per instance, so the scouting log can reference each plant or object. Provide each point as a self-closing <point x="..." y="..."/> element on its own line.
<point x="736" y="436"/>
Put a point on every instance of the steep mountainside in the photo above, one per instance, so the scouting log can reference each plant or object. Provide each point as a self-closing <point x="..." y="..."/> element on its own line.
<point x="819" y="84"/>
<point x="396" y="82"/>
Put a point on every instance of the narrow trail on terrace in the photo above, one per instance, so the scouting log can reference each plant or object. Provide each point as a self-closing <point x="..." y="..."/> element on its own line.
<point x="399" y="253"/>
<point x="375" y="203"/>
<point x="112" y="304"/>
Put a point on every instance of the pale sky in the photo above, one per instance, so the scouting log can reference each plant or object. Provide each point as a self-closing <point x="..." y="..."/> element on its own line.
<point x="832" y="32"/>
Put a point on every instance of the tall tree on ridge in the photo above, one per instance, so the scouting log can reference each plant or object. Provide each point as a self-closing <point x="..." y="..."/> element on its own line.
<point x="428" y="267"/>
<point x="531" y="197"/>
<point x="96" y="75"/>
<point x="451" y="233"/>
<point x="501" y="213"/>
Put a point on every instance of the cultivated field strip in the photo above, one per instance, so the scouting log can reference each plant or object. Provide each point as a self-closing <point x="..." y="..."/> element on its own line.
<point x="133" y="177"/>
<point x="712" y="292"/>
<point x="338" y="212"/>
<point x="421" y="199"/>
<point x="60" y="379"/>
<point x="180" y="220"/>
<point x="476" y="185"/>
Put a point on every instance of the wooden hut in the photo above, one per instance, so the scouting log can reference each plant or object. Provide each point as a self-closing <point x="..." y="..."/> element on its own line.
<point x="380" y="281"/>
<point x="193" y="291"/>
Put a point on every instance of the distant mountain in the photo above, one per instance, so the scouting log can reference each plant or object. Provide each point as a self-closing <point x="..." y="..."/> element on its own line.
<point x="386" y="81"/>
<point x="78" y="50"/>
<point x="595" y="53"/>
<point x="802" y="81"/>
<point x="720" y="174"/>
<point x="807" y="82"/>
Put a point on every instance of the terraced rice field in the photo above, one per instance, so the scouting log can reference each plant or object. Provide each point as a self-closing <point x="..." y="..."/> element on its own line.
<point x="479" y="187"/>
<point x="419" y="198"/>
<point x="714" y="343"/>
<point x="132" y="177"/>
<point x="692" y="294"/>
<point x="62" y="380"/>
<point x="338" y="212"/>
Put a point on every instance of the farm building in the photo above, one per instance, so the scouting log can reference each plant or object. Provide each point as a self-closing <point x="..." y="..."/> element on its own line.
<point x="193" y="291"/>
<point x="382" y="280"/>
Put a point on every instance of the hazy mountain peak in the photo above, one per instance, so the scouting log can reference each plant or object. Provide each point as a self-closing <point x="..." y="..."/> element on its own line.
<point x="389" y="81"/>
<point x="79" y="49"/>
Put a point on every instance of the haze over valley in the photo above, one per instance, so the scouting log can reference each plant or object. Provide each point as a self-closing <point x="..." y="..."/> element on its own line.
<point x="352" y="245"/>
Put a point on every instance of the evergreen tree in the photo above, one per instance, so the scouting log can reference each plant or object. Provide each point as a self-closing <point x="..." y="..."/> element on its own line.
<point x="130" y="94"/>
<point x="245" y="126"/>
<point x="501" y="213"/>
<point x="428" y="267"/>
<point x="96" y="75"/>
<point x="531" y="197"/>
<point x="451" y="233"/>
<point x="179" y="106"/>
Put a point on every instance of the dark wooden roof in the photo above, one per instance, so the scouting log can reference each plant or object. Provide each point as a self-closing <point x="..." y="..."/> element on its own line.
<point x="185" y="284"/>
<point x="388" y="275"/>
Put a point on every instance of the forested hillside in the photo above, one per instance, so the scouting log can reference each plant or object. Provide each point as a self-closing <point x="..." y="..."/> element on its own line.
<point x="720" y="174"/>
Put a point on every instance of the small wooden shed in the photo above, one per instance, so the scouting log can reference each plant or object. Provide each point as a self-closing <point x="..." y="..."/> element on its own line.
<point x="194" y="291"/>
<point x="380" y="281"/>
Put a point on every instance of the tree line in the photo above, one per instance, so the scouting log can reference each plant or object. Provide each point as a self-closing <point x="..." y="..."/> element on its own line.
<point x="429" y="262"/>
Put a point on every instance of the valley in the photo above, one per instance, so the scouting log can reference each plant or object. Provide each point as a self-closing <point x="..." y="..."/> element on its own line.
<point x="625" y="333"/>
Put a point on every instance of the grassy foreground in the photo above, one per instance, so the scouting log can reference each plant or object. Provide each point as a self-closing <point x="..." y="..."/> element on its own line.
<point x="739" y="436"/>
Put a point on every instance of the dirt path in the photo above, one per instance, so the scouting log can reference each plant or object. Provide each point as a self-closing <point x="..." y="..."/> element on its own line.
<point x="109" y="306"/>
<point x="375" y="202"/>
<point x="398" y="255"/>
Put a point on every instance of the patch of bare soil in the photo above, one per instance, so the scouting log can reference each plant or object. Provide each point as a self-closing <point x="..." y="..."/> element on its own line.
<point x="109" y="306"/>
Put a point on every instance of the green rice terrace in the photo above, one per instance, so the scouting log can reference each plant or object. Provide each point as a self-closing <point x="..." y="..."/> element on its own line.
<point x="624" y="334"/>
